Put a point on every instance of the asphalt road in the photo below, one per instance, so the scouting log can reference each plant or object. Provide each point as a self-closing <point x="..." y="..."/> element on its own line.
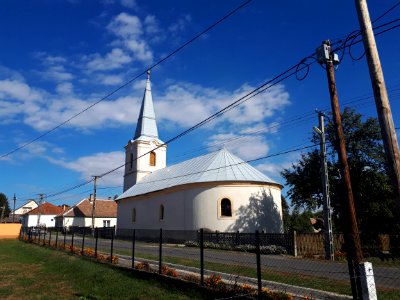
<point x="385" y="277"/>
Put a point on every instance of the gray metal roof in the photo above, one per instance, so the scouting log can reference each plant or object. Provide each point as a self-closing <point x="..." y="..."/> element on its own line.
<point x="146" y="125"/>
<point x="218" y="166"/>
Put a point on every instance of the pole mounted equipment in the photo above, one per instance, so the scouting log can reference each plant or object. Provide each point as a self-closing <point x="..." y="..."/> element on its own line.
<point x="328" y="235"/>
<point x="352" y="236"/>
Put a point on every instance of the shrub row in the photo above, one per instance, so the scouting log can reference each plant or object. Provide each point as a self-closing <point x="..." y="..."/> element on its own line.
<point x="270" y="249"/>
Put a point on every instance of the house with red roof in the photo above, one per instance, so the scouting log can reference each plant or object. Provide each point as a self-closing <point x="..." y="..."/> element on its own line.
<point x="82" y="214"/>
<point x="43" y="215"/>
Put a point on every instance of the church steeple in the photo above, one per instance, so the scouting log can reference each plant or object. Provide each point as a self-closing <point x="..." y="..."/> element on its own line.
<point x="146" y="125"/>
<point x="146" y="153"/>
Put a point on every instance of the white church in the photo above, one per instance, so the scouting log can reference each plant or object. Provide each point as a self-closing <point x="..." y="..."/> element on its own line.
<point x="217" y="191"/>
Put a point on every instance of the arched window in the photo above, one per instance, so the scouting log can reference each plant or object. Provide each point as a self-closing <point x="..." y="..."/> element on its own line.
<point x="226" y="208"/>
<point x="131" y="160"/>
<point x="134" y="215"/>
<point x="152" y="158"/>
<point x="161" y="212"/>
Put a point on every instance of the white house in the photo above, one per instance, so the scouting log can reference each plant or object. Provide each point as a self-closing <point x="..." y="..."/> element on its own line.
<point x="217" y="191"/>
<point x="23" y="209"/>
<point x="43" y="215"/>
<point x="80" y="215"/>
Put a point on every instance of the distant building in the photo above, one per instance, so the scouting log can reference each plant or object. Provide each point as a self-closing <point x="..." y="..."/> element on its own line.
<point x="43" y="215"/>
<point x="80" y="215"/>
<point x="217" y="191"/>
<point x="23" y="209"/>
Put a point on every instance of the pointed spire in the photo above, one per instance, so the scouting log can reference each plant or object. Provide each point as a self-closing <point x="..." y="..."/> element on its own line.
<point x="146" y="125"/>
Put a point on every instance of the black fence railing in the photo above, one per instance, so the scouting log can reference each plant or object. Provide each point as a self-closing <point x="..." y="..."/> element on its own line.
<point x="233" y="239"/>
<point x="235" y="260"/>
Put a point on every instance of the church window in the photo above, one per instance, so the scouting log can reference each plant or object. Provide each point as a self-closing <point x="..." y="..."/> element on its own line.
<point x="152" y="158"/>
<point x="161" y="212"/>
<point x="134" y="215"/>
<point x="131" y="160"/>
<point x="226" y="208"/>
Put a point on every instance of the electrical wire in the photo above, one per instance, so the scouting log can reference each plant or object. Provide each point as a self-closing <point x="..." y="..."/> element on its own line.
<point x="293" y="70"/>
<point x="129" y="81"/>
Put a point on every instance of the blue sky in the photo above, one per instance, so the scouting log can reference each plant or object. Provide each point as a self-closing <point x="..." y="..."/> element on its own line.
<point x="58" y="57"/>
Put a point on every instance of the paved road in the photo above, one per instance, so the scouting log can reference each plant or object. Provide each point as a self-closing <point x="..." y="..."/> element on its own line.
<point x="385" y="277"/>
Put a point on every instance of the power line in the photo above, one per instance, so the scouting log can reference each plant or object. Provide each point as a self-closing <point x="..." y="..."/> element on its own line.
<point x="293" y="70"/>
<point x="131" y="80"/>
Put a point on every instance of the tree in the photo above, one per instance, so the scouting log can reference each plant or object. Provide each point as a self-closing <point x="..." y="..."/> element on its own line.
<point x="373" y="194"/>
<point x="4" y="202"/>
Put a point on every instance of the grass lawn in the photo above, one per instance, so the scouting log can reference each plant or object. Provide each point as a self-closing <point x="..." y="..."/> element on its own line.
<point x="31" y="272"/>
<point x="336" y="286"/>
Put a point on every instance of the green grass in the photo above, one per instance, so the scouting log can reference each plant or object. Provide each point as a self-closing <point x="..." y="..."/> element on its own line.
<point x="32" y="272"/>
<point x="330" y="285"/>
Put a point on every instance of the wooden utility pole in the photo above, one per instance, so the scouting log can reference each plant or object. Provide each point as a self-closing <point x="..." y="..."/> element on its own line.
<point x="94" y="201"/>
<point x="39" y="209"/>
<point x="388" y="131"/>
<point x="15" y="199"/>
<point x="352" y="237"/>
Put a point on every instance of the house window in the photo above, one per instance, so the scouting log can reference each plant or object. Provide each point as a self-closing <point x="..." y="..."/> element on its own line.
<point x="226" y="208"/>
<point x="161" y="212"/>
<point x="134" y="215"/>
<point x="106" y="223"/>
<point x="131" y="160"/>
<point x="152" y="158"/>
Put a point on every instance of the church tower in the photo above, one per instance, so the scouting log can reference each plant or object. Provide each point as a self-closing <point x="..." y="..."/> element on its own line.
<point x="142" y="155"/>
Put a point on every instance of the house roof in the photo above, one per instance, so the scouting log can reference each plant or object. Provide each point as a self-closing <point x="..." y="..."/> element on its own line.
<point x="25" y="204"/>
<point x="46" y="209"/>
<point x="104" y="208"/>
<point x="146" y="128"/>
<point x="220" y="166"/>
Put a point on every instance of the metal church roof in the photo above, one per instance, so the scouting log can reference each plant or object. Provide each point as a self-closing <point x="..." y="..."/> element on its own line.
<point x="218" y="166"/>
<point x="146" y="127"/>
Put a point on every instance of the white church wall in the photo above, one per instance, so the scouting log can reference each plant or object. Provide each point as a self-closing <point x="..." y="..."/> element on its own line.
<point x="198" y="206"/>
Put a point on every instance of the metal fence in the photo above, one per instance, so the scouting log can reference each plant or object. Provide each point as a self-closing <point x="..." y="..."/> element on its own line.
<point x="245" y="263"/>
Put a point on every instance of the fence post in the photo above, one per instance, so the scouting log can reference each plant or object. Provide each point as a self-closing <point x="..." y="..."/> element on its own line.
<point x="72" y="240"/>
<point x="258" y="257"/>
<point x="50" y="238"/>
<point x="65" y="235"/>
<point x="294" y="241"/>
<point x="160" y="253"/>
<point x="95" y="245"/>
<point x="39" y="235"/>
<point x="56" y="238"/>
<point x="133" y="247"/>
<point x="83" y="240"/>
<point x="112" y="244"/>
<point x="201" y="256"/>
<point x="44" y="237"/>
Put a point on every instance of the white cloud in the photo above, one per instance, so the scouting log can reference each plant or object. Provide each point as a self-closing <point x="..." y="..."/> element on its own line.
<point x="65" y="88"/>
<point x="244" y="146"/>
<point x="180" y="24"/>
<point x="129" y="3"/>
<point x="110" y="79"/>
<point x="98" y="164"/>
<point x="56" y="73"/>
<point x="13" y="89"/>
<point x="187" y="104"/>
<point x="151" y="24"/>
<point x="126" y="26"/>
<point x="112" y="60"/>
<point x="129" y="30"/>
